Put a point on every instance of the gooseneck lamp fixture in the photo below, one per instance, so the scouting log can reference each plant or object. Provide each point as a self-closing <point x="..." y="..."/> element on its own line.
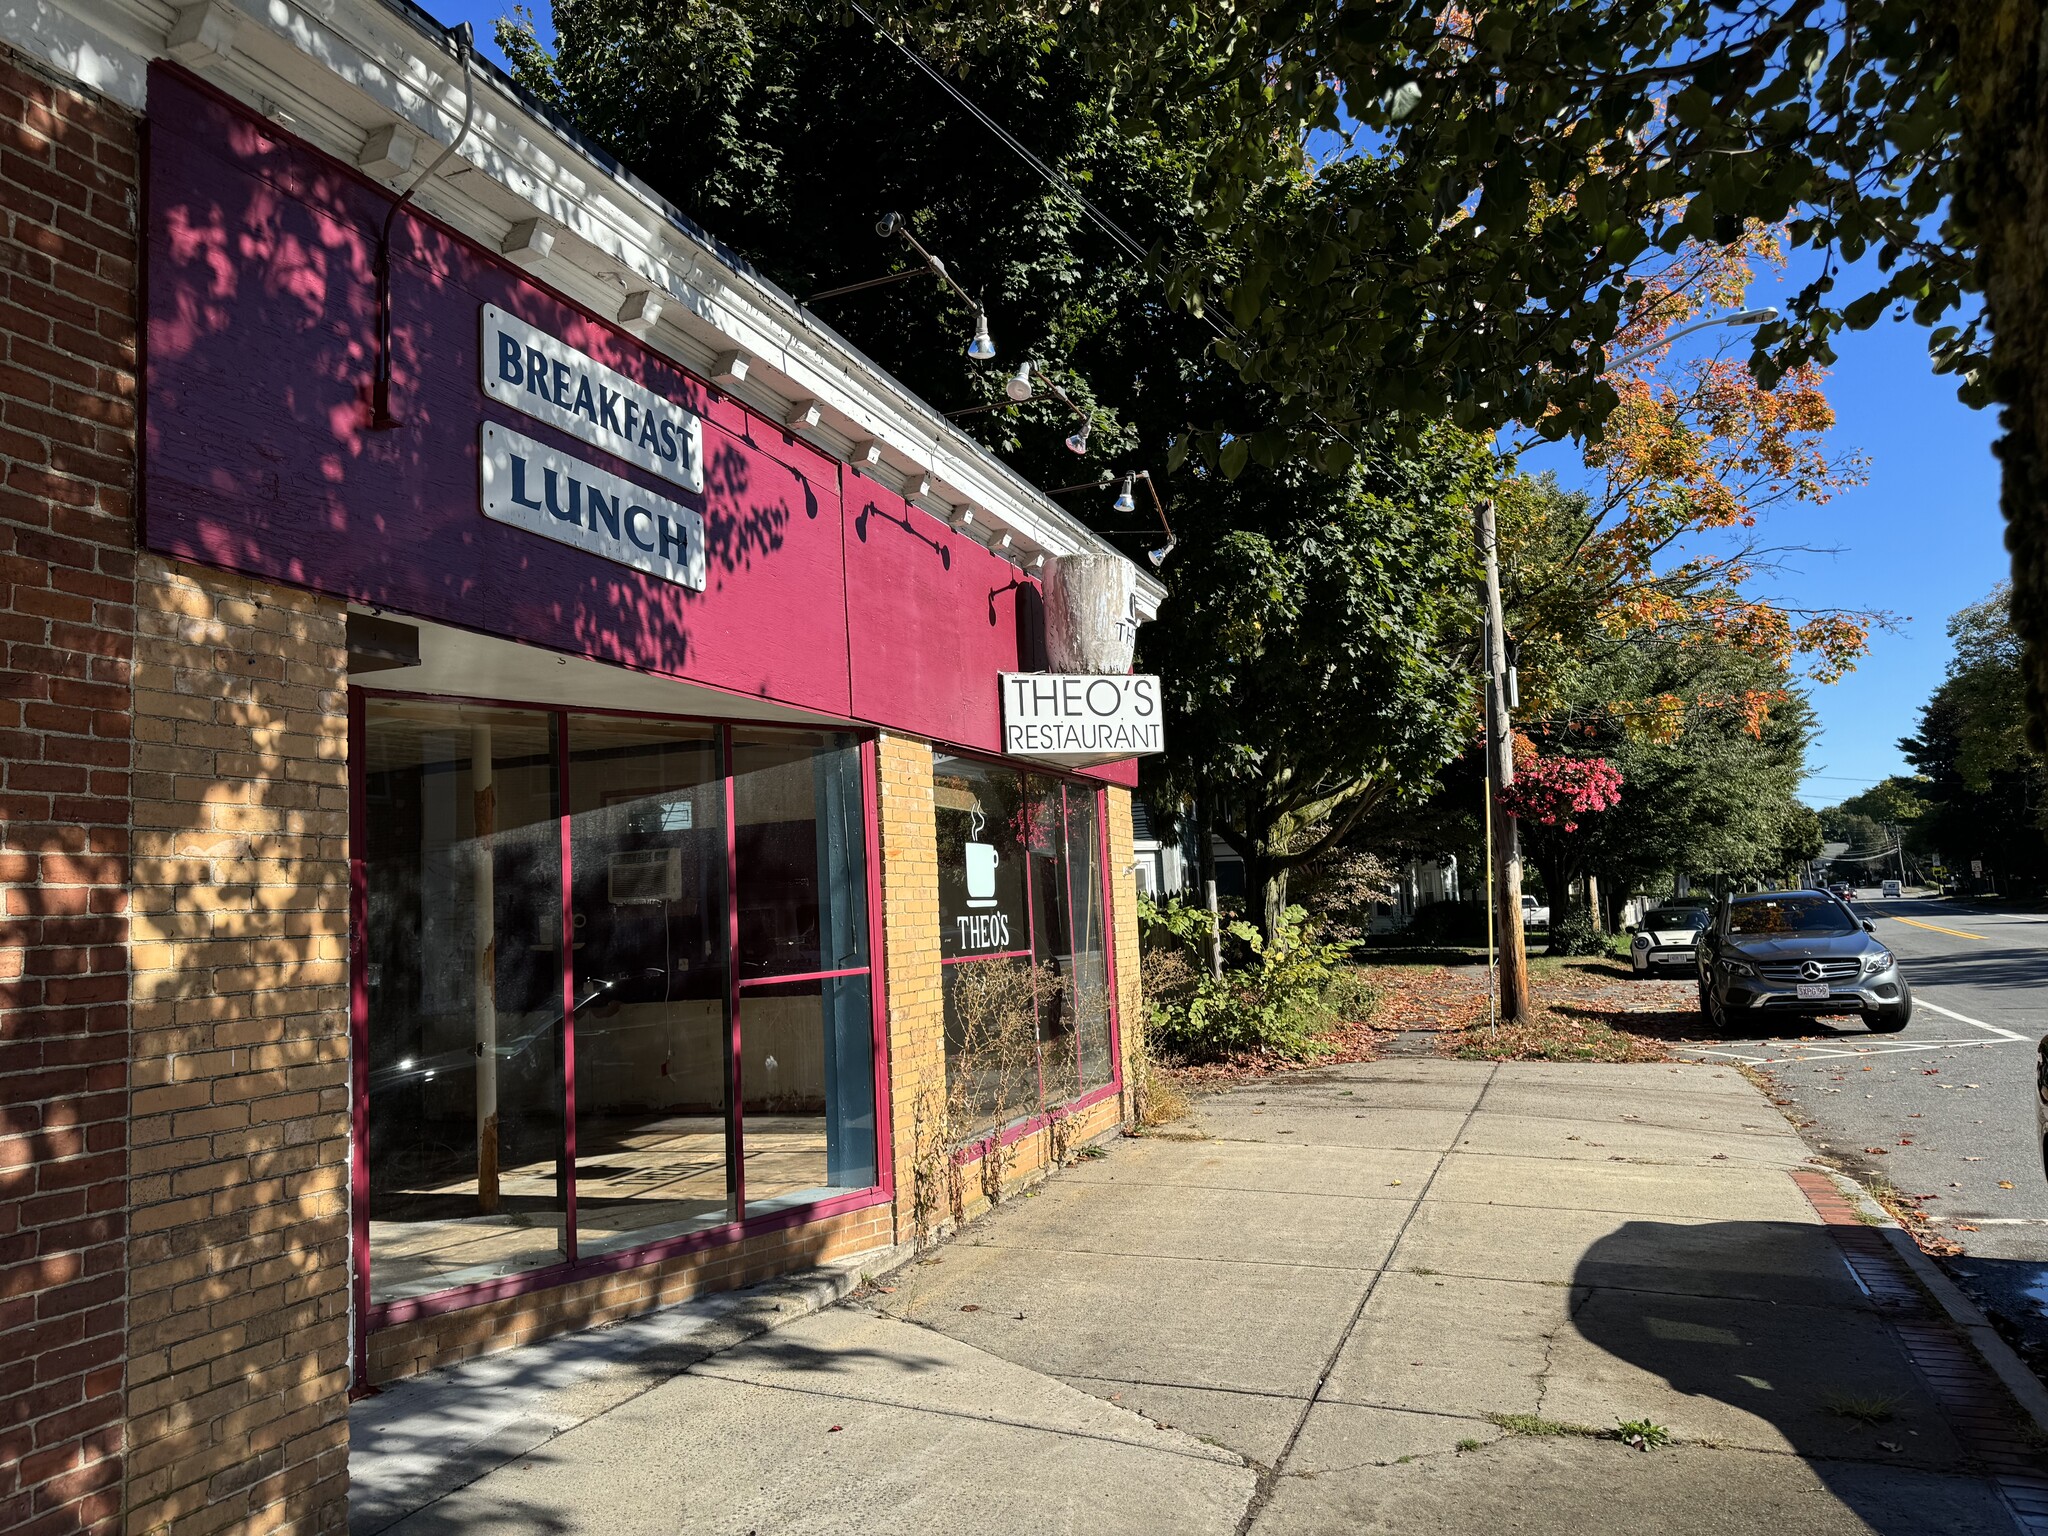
<point x="381" y="417"/>
<point x="980" y="346"/>
<point x="1742" y="317"/>
<point x="1126" y="502"/>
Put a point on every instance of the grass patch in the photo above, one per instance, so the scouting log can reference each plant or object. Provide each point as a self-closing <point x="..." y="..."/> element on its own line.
<point x="1862" y="1408"/>
<point x="1548" y="1036"/>
<point x="1469" y="1444"/>
<point x="1536" y="1424"/>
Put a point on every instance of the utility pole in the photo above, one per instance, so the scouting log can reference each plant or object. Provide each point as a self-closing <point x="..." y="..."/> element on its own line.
<point x="1500" y="774"/>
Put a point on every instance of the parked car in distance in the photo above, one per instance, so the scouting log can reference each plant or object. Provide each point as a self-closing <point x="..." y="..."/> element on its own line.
<point x="1801" y="953"/>
<point x="1666" y="937"/>
<point x="1534" y="913"/>
<point x="1892" y="888"/>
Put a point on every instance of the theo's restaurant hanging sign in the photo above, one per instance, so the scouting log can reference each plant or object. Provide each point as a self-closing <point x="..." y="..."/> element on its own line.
<point x="1075" y="719"/>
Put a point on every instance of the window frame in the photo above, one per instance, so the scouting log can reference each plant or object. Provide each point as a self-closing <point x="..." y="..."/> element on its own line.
<point x="370" y="1316"/>
<point x="1012" y="1131"/>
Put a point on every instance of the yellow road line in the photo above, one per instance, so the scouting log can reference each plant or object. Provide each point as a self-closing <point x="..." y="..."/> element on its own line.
<point x="1936" y="927"/>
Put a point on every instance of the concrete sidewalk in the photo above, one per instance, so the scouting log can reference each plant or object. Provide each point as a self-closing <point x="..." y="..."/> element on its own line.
<point x="1349" y="1300"/>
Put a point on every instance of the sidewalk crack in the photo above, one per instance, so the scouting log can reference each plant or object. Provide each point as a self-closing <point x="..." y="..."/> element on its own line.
<point x="1269" y="1477"/>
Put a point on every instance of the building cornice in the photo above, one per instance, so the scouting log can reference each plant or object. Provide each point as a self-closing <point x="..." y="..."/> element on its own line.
<point x="352" y="76"/>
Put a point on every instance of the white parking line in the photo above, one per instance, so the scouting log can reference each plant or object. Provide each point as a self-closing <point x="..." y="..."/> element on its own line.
<point x="1817" y="1052"/>
<point x="1964" y="1018"/>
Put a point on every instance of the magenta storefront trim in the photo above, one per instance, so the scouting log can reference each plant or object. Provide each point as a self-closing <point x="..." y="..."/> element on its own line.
<point x="391" y="1313"/>
<point x="1031" y="1125"/>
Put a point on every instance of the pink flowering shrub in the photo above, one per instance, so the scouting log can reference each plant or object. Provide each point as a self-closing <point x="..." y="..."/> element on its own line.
<point x="1557" y="791"/>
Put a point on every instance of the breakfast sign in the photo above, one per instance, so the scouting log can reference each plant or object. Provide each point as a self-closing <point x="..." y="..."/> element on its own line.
<point x="528" y="485"/>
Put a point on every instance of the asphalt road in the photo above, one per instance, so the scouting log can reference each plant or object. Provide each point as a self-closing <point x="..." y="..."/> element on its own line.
<point x="1946" y="1107"/>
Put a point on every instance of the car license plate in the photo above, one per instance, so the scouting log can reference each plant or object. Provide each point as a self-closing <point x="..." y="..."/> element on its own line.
<point x="1813" y="991"/>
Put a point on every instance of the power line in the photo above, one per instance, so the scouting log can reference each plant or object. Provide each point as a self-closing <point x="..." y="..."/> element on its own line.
<point x="1109" y="226"/>
<point x="1116" y="232"/>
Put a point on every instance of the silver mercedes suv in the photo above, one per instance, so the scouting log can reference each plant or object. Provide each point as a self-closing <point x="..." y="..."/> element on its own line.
<point x="1801" y="953"/>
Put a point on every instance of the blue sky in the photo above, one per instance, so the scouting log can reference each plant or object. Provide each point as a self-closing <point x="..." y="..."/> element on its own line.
<point x="1920" y="539"/>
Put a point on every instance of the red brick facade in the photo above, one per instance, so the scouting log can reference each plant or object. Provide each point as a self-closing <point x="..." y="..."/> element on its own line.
<point x="67" y="579"/>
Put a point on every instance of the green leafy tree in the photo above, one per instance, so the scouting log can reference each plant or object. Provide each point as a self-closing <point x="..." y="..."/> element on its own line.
<point x="789" y="129"/>
<point x="1313" y="650"/>
<point x="1893" y="801"/>
<point x="1984" y="786"/>
<point x="1438" y="207"/>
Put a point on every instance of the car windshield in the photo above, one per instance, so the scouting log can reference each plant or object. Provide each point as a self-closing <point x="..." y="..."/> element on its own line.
<point x="1790" y="914"/>
<point x="1676" y="917"/>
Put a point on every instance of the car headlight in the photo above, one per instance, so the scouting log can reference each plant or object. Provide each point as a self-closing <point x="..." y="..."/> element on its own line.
<point x="1881" y="961"/>
<point x="1642" y="941"/>
<point x="1737" y="968"/>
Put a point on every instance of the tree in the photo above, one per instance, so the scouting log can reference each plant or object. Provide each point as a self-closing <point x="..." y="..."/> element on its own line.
<point x="1985" y="787"/>
<point x="1893" y="801"/>
<point x="1311" y="650"/>
<point x="1438" y="207"/>
<point x="1426" y="208"/>
<point x="789" y="129"/>
<point x="1559" y="800"/>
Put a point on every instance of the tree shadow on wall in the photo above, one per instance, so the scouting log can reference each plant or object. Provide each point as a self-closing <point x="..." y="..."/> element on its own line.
<point x="262" y="346"/>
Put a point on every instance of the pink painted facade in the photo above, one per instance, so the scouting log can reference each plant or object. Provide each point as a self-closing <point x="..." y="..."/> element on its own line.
<point x="825" y="591"/>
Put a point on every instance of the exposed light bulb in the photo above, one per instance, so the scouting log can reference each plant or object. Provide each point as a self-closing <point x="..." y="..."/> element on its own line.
<point x="1125" y="501"/>
<point x="1078" y="442"/>
<point x="981" y="348"/>
<point x="1019" y="387"/>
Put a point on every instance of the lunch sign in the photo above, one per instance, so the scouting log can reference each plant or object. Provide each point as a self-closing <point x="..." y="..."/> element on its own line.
<point x="531" y="486"/>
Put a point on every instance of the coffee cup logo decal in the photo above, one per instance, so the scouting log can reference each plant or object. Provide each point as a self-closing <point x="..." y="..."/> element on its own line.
<point x="981" y="863"/>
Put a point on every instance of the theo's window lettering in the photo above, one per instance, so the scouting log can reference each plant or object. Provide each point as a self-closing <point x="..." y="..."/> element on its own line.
<point x="1021" y="941"/>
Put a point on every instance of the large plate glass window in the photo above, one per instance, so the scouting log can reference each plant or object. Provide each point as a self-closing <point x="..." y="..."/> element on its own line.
<point x="465" y="1072"/>
<point x="617" y="985"/>
<point x="647" y="848"/>
<point x="1021" y="925"/>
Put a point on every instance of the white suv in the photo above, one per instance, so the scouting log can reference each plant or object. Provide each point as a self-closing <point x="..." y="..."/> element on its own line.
<point x="1667" y="937"/>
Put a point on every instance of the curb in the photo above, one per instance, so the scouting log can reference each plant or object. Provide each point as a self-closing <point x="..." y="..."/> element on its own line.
<point x="2006" y="1365"/>
<point x="406" y="1452"/>
<point x="1969" y="1319"/>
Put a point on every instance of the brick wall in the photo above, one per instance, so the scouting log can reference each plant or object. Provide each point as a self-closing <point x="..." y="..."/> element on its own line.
<point x="67" y="443"/>
<point x="1123" y="917"/>
<point x="908" y="821"/>
<point x="238" y="1313"/>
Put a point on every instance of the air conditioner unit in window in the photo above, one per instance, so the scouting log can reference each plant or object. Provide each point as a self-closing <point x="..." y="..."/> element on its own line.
<point x="645" y="877"/>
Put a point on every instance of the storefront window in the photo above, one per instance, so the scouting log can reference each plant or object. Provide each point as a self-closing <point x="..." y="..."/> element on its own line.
<point x="702" y="1050"/>
<point x="1025" y="977"/>
<point x="806" y="1031"/>
<point x="466" y="1146"/>
<point x="647" y="847"/>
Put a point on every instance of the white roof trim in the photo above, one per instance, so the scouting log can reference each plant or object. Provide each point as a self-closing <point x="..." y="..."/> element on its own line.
<point x="335" y="72"/>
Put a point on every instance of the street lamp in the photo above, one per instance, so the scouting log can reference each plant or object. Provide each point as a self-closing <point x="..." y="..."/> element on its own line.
<point x="1740" y="317"/>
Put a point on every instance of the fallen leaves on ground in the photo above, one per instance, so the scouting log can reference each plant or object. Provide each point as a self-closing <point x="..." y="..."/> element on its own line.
<point x="1548" y="1035"/>
<point x="1586" y="1010"/>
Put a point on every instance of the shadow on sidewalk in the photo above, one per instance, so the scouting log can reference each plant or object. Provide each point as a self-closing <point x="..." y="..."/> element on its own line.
<point x="1757" y="1330"/>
